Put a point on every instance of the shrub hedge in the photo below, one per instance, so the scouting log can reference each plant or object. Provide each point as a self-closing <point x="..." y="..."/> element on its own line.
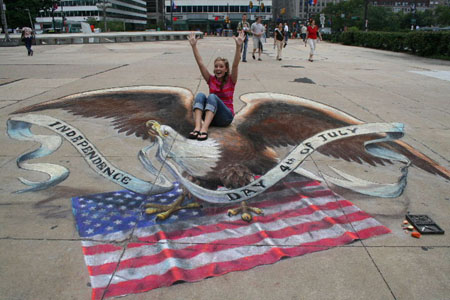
<point x="423" y="43"/>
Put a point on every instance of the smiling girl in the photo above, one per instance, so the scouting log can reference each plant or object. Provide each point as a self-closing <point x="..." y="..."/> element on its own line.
<point x="217" y="108"/>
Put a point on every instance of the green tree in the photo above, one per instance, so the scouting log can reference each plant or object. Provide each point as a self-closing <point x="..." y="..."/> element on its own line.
<point x="426" y="18"/>
<point x="382" y="19"/>
<point x="17" y="14"/>
<point x="345" y="14"/>
<point x="442" y="14"/>
<point x="350" y="14"/>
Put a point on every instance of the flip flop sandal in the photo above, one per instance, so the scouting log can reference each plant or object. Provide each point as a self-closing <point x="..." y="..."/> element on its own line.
<point x="202" y="138"/>
<point x="194" y="134"/>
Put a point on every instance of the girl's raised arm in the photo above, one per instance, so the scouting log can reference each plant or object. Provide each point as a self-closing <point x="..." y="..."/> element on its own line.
<point x="237" y="56"/>
<point x="203" y="70"/>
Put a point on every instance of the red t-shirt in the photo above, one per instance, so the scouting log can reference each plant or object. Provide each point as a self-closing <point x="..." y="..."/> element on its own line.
<point x="225" y="93"/>
<point x="312" y="32"/>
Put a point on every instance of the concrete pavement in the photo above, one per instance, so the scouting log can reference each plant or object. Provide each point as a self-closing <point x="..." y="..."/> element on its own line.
<point x="40" y="249"/>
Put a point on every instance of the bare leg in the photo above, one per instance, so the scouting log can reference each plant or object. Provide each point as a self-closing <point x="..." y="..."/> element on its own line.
<point x="198" y="119"/>
<point x="209" y="115"/>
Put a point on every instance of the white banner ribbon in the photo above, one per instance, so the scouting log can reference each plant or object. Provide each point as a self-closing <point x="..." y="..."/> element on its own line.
<point x="19" y="128"/>
<point x="294" y="159"/>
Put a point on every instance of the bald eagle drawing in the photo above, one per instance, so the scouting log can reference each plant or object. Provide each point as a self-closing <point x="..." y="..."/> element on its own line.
<point x="233" y="155"/>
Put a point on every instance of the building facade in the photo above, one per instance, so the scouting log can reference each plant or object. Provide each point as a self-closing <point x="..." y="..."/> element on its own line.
<point x="404" y="6"/>
<point x="132" y="13"/>
<point x="303" y="9"/>
<point x="155" y="13"/>
<point x="300" y="10"/>
<point x="213" y="15"/>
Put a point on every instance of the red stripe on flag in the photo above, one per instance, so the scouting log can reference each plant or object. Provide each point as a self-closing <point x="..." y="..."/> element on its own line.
<point x="209" y="239"/>
<point x="103" y="248"/>
<point x="374" y="231"/>
<point x="90" y="250"/>
<point x="273" y="255"/>
<point x="203" y="229"/>
<point x="223" y="244"/>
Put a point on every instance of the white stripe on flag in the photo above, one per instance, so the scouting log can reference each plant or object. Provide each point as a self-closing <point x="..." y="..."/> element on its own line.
<point x="206" y="258"/>
<point x="102" y="258"/>
<point x="275" y="208"/>
<point x="277" y="194"/>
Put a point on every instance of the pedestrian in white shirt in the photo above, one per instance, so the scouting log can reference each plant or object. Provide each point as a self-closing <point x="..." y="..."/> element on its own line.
<point x="304" y="31"/>
<point x="286" y="34"/>
<point x="257" y="30"/>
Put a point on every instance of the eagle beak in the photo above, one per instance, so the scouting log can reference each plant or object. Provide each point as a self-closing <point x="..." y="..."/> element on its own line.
<point x="154" y="128"/>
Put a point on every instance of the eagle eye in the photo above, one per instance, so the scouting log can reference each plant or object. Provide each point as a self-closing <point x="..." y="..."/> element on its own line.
<point x="166" y="133"/>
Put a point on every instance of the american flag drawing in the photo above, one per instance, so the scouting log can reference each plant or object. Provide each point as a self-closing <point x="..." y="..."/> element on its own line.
<point x="129" y="252"/>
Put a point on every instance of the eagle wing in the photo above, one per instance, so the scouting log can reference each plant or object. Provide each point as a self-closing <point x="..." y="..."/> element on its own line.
<point x="129" y="108"/>
<point x="277" y="120"/>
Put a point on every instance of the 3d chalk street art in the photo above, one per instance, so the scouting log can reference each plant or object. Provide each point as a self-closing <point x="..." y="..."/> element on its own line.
<point x="208" y="201"/>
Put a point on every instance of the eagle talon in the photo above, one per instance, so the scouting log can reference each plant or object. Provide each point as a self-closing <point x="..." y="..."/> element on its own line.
<point x="233" y="212"/>
<point x="163" y="215"/>
<point x="246" y="217"/>
<point x="165" y="211"/>
<point x="245" y="211"/>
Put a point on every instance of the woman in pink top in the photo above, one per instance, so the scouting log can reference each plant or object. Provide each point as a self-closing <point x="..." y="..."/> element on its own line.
<point x="217" y="108"/>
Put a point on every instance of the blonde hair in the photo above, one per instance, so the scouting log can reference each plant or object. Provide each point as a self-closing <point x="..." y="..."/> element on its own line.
<point x="227" y="65"/>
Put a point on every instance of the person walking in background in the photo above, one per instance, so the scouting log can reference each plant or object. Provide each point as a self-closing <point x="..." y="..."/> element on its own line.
<point x="265" y="33"/>
<point x="279" y="39"/>
<point x="263" y="38"/>
<point x="303" y="31"/>
<point x="286" y="34"/>
<point x="313" y="31"/>
<point x="257" y="30"/>
<point x="244" y="26"/>
<point x="27" y="37"/>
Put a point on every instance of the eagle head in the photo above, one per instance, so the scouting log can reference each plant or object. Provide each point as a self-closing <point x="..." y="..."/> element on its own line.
<point x="156" y="129"/>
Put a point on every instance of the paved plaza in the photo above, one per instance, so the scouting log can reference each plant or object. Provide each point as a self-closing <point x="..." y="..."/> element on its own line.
<point x="40" y="248"/>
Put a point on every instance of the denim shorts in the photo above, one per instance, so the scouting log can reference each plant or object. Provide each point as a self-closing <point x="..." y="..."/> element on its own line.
<point x="222" y="114"/>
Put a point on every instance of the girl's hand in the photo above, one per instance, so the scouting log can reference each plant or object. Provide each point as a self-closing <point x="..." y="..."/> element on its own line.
<point x="239" y="39"/>
<point x="192" y="39"/>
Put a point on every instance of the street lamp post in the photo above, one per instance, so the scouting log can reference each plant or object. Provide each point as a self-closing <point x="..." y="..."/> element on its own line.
<point x="171" y="15"/>
<point x="62" y="16"/>
<point x="53" y="16"/>
<point x="104" y="16"/>
<point x="104" y="6"/>
<point x="413" y="15"/>
<point x="228" y="16"/>
<point x="366" y="21"/>
<point x="29" y="16"/>
<point x="5" y="25"/>
<point x="305" y="10"/>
